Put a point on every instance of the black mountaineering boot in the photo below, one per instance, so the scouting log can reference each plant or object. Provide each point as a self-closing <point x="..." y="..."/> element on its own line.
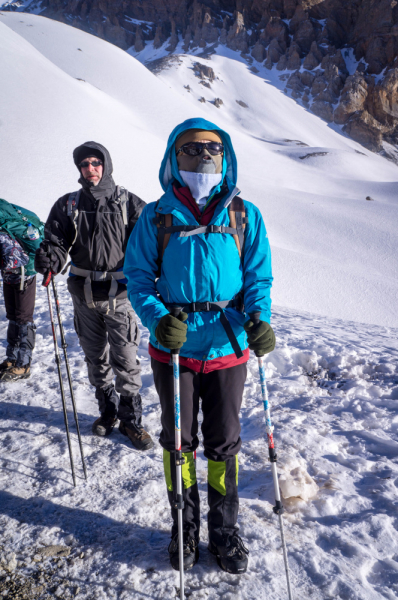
<point x="231" y="557"/>
<point x="191" y="553"/>
<point x="104" y="425"/>
<point x="108" y="402"/>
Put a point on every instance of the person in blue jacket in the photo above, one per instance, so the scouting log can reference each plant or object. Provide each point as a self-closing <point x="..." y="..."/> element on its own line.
<point x="201" y="247"/>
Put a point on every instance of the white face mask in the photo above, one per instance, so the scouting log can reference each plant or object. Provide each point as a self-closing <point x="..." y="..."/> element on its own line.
<point x="200" y="184"/>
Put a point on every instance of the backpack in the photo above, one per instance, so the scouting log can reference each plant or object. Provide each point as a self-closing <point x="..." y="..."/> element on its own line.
<point x="14" y="220"/>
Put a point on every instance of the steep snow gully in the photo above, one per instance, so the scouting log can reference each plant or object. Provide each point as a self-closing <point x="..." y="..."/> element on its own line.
<point x="333" y="378"/>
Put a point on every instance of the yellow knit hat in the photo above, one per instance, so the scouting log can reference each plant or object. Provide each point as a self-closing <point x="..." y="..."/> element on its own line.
<point x="197" y="135"/>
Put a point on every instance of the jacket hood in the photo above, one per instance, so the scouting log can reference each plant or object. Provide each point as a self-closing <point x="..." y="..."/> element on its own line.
<point x="169" y="171"/>
<point x="106" y="186"/>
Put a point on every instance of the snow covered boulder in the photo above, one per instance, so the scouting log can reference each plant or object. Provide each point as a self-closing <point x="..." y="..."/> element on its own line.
<point x="296" y="483"/>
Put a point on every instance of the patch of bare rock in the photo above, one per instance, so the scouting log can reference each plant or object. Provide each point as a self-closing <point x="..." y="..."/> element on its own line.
<point x="310" y="40"/>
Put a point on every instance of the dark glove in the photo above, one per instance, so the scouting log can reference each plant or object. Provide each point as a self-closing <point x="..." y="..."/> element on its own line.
<point x="46" y="260"/>
<point x="171" y="332"/>
<point x="261" y="337"/>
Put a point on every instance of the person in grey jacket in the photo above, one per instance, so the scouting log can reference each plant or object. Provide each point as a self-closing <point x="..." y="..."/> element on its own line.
<point x="93" y="225"/>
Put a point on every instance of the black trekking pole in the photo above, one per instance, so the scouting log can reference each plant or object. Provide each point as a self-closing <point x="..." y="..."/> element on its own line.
<point x="46" y="281"/>
<point x="278" y="508"/>
<point x="179" y="500"/>
<point x="64" y="347"/>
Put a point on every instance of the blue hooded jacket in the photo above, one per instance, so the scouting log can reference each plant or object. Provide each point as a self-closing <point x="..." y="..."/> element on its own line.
<point x="202" y="267"/>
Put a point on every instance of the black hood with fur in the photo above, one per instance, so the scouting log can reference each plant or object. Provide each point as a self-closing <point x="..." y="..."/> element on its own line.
<point x="106" y="186"/>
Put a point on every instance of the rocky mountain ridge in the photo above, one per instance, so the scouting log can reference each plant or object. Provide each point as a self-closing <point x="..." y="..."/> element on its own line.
<point x="310" y="41"/>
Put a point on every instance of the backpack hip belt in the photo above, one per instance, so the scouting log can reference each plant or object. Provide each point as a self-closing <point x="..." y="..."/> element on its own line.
<point x="217" y="307"/>
<point x="72" y="210"/>
<point x="98" y="276"/>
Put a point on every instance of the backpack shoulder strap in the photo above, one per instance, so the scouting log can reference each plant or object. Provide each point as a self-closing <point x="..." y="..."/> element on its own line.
<point x="238" y="221"/>
<point x="72" y="204"/>
<point x="72" y="209"/>
<point x="122" y="196"/>
<point x="162" y="223"/>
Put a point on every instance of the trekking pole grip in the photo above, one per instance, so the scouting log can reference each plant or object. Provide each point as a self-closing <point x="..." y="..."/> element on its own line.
<point x="255" y="317"/>
<point x="47" y="278"/>
<point x="175" y="312"/>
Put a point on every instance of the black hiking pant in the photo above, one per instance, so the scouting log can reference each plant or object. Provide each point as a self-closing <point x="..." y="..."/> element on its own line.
<point x="21" y="333"/>
<point x="221" y="394"/>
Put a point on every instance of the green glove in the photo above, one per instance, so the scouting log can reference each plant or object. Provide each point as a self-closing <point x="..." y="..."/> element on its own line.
<point x="261" y="337"/>
<point x="171" y="332"/>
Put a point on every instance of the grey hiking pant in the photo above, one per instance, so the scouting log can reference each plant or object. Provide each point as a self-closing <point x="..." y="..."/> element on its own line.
<point x="109" y="343"/>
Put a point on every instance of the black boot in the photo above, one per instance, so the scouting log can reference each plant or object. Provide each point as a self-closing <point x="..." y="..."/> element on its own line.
<point x="231" y="557"/>
<point x="191" y="553"/>
<point x="104" y="425"/>
<point x="108" y="402"/>
<point x="223" y="499"/>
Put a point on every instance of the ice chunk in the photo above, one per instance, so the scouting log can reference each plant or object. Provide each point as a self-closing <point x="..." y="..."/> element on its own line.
<point x="297" y="484"/>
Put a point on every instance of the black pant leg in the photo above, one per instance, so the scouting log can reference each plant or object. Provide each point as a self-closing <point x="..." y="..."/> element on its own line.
<point x="20" y="303"/>
<point x="189" y="405"/>
<point x="191" y="512"/>
<point x="222" y="393"/>
<point x="21" y="334"/>
<point x="9" y="300"/>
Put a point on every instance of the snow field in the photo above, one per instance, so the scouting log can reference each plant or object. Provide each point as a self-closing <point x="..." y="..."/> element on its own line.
<point x="333" y="388"/>
<point x="333" y="382"/>
<point x="334" y="252"/>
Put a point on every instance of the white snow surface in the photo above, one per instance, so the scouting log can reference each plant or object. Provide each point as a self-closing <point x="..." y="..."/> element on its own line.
<point x="333" y="392"/>
<point x="333" y="379"/>
<point x="334" y="252"/>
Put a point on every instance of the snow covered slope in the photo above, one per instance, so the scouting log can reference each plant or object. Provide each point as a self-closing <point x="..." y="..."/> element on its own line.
<point x="334" y="251"/>
<point x="333" y="392"/>
<point x="333" y="383"/>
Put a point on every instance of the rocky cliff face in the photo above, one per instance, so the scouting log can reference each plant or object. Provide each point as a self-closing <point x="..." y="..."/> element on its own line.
<point x="311" y="41"/>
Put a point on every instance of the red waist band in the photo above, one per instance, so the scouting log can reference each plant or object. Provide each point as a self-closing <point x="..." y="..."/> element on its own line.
<point x="201" y="366"/>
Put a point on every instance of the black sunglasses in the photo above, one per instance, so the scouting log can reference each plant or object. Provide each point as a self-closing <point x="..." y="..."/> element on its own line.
<point x="94" y="163"/>
<point x="195" y="148"/>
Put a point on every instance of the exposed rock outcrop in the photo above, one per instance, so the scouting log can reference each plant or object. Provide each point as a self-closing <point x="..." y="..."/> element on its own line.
<point x="281" y="34"/>
<point x="353" y="98"/>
